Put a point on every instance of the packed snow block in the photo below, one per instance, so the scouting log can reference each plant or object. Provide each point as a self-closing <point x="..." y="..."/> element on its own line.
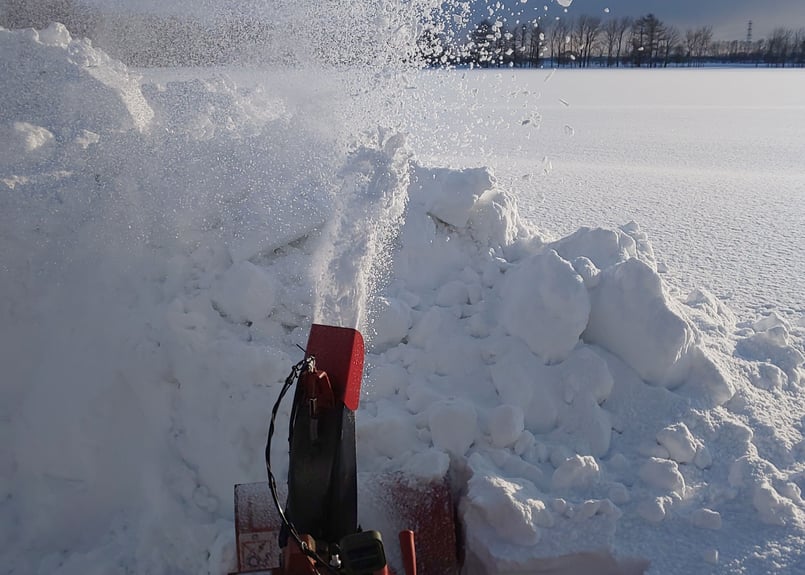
<point x="561" y="400"/>
<point x="453" y="426"/>
<point x="494" y="220"/>
<point x="772" y="347"/>
<point x="449" y="195"/>
<point x="512" y="526"/>
<point x="603" y="247"/>
<point x="420" y="236"/>
<point x="662" y="474"/>
<point x="245" y="293"/>
<point x="389" y="325"/>
<point x="387" y="436"/>
<point x="772" y="507"/>
<point x="679" y="442"/>
<point x="643" y="247"/>
<point x="428" y="327"/>
<point x="576" y="472"/>
<point x="24" y="142"/>
<point x="585" y="425"/>
<point x="587" y="270"/>
<point x="631" y="318"/>
<point x="709" y="313"/>
<point x="545" y="303"/>
<point x="521" y="379"/>
<point x="60" y="76"/>
<point x="453" y="293"/>
<point x="506" y="424"/>
<point x="512" y="507"/>
<point x="384" y="380"/>
<point x="654" y="509"/>
<point x="586" y="372"/>
<point x="706" y="519"/>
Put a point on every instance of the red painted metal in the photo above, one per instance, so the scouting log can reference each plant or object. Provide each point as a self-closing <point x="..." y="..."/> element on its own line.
<point x="339" y="351"/>
<point x="408" y="551"/>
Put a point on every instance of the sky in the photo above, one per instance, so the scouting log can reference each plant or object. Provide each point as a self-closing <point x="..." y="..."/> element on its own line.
<point x="728" y="18"/>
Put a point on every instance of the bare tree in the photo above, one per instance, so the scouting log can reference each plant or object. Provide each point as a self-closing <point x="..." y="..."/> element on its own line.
<point x="705" y="40"/>
<point x="778" y="47"/>
<point x="585" y="33"/>
<point x="536" y="44"/>
<point x="799" y="48"/>
<point x="609" y="40"/>
<point x="669" y="42"/>
<point x="698" y="43"/>
<point x="559" y="40"/>
<point x="623" y="26"/>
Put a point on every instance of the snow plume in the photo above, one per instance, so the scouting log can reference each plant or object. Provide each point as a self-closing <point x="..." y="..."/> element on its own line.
<point x="364" y="50"/>
<point x="351" y="261"/>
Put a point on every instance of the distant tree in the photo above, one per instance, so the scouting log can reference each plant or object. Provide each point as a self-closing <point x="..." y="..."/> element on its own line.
<point x="668" y="44"/>
<point x="623" y="26"/>
<point x="536" y="44"/>
<point x="528" y="43"/>
<point x="559" y="43"/>
<point x="614" y="32"/>
<point x="799" y="48"/>
<point x="585" y="32"/>
<point x="697" y="44"/>
<point x="647" y="34"/>
<point x="778" y="47"/>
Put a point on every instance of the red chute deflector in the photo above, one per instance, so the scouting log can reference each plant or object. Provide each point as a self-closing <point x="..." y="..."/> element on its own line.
<point x="339" y="351"/>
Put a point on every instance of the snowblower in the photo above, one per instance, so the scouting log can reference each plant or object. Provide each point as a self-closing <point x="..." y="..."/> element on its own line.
<point x="317" y="532"/>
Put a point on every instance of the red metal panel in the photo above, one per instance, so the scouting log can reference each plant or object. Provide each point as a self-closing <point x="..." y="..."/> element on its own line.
<point x="339" y="351"/>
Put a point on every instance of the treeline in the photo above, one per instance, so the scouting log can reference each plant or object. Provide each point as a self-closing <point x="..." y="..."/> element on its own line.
<point x="585" y="41"/>
<point x="140" y="39"/>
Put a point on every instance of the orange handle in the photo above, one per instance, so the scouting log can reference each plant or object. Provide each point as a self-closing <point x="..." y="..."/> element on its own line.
<point x="408" y="551"/>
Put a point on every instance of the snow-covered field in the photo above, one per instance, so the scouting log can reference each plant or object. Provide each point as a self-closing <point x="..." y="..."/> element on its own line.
<point x="631" y="386"/>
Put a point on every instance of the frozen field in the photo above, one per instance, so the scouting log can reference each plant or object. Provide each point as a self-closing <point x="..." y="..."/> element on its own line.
<point x="710" y="163"/>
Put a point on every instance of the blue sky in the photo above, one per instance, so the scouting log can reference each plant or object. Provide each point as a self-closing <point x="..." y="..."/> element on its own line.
<point x="727" y="17"/>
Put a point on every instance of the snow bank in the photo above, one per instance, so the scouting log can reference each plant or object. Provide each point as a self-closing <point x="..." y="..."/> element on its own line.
<point x="160" y="273"/>
<point x="84" y="74"/>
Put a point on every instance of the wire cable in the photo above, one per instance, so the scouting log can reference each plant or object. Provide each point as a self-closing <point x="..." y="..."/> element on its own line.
<point x="307" y="364"/>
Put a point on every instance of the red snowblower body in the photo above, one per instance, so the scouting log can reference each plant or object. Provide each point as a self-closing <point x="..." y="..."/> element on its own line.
<point x="317" y="532"/>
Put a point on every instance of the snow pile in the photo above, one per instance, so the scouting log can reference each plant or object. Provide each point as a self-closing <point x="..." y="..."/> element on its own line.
<point x="117" y="103"/>
<point x="159" y="273"/>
